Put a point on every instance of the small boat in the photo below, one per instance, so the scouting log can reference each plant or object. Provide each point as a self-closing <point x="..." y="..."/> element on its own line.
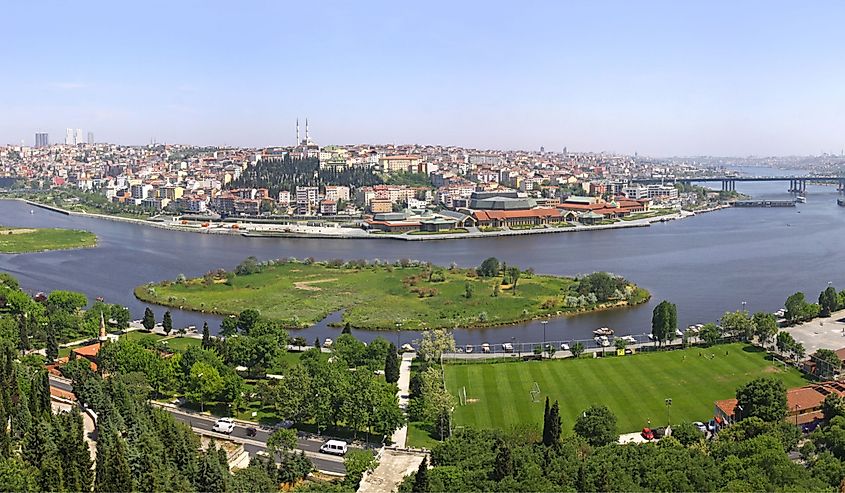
<point x="100" y="299"/>
<point x="31" y="211"/>
<point x="469" y="348"/>
<point x="485" y="348"/>
<point x="327" y="343"/>
<point x="679" y="333"/>
<point x="602" y="341"/>
<point x="508" y="347"/>
<point x="603" y="331"/>
<point x="840" y="202"/>
<point x="801" y="199"/>
<point x="564" y="346"/>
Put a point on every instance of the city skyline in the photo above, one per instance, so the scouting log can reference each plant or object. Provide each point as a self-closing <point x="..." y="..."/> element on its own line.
<point x="654" y="78"/>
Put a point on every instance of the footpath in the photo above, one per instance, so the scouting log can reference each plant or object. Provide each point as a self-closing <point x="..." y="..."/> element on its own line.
<point x="396" y="461"/>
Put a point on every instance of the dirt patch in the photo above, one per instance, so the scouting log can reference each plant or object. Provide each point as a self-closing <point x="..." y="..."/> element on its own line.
<point x="472" y="401"/>
<point x="21" y="231"/>
<point x="772" y="369"/>
<point x="307" y="285"/>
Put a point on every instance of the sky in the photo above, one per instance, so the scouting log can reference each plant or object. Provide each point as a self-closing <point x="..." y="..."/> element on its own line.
<point x="673" y="78"/>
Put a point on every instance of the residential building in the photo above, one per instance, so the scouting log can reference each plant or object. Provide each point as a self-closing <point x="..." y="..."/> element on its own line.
<point x="42" y="139"/>
<point x="400" y="163"/>
<point x="306" y="200"/>
<point x="328" y="207"/>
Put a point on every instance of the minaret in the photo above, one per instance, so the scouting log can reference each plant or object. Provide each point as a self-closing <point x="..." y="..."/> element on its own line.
<point x="297" y="132"/>
<point x="103" y="335"/>
<point x="307" y="137"/>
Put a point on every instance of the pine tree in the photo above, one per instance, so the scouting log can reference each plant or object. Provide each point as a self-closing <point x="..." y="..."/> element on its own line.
<point x="554" y="424"/>
<point x="421" y="479"/>
<point x="211" y="477"/>
<point x="167" y="323"/>
<point x="546" y="429"/>
<point x="317" y="343"/>
<point x="113" y="472"/>
<point x="44" y="396"/>
<point x="391" y="365"/>
<point x="149" y="320"/>
<point x="206" y="336"/>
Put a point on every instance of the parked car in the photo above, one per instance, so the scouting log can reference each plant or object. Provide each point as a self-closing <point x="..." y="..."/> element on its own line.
<point x="647" y="434"/>
<point x="251" y="431"/>
<point x="335" y="447"/>
<point x="701" y="426"/>
<point x="224" y="425"/>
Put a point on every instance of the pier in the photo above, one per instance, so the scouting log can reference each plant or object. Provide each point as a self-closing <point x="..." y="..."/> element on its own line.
<point x="764" y="203"/>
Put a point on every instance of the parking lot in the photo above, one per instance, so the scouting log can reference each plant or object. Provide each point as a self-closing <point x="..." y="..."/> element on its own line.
<point x="821" y="333"/>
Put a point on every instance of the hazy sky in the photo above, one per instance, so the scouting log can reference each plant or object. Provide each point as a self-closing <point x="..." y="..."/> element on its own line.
<point x="658" y="78"/>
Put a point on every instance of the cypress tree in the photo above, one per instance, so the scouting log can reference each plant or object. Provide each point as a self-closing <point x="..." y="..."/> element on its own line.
<point x="44" y="396"/>
<point x="503" y="466"/>
<point x="546" y="429"/>
<point x="421" y="479"/>
<point x="391" y="365"/>
<point x="167" y="322"/>
<point x="347" y="329"/>
<point x="149" y="320"/>
<point x="113" y="472"/>
<point x="23" y="333"/>
<point x="52" y="345"/>
<point x="210" y="477"/>
<point x="206" y="336"/>
<point x="554" y="424"/>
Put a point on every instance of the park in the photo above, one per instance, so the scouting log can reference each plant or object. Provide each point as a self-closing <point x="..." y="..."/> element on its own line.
<point x="29" y="240"/>
<point x="634" y="387"/>
<point x="386" y="296"/>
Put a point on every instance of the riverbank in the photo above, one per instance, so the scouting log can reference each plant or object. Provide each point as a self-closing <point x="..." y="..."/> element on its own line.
<point x="382" y="296"/>
<point x="258" y="230"/>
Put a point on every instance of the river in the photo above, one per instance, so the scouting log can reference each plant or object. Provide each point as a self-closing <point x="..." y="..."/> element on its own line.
<point x="705" y="264"/>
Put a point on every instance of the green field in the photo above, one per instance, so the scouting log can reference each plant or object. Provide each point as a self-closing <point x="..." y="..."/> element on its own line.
<point x="373" y="297"/>
<point x="27" y="240"/>
<point x="633" y="387"/>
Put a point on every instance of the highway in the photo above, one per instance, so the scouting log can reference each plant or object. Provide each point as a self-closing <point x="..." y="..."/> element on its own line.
<point x="202" y="424"/>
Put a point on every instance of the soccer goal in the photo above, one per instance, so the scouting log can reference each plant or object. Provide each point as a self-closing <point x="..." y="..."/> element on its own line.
<point x="535" y="392"/>
<point x="462" y="396"/>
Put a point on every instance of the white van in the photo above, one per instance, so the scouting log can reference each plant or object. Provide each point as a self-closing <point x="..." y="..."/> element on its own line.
<point x="336" y="447"/>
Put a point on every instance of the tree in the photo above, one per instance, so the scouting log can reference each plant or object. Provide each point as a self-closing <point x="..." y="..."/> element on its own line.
<point x="437" y="401"/>
<point x="765" y="326"/>
<point x="66" y="301"/>
<point x="347" y="329"/>
<point x="503" y="465"/>
<point x="514" y="275"/>
<point x="247" y="320"/>
<point x="52" y="351"/>
<point x="149" y="320"/>
<point x="281" y="441"/>
<point x="229" y="326"/>
<point x="552" y="426"/>
<point x="764" y="398"/>
<point x="434" y="343"/>
<point x="687" y="433"/>
<point x="597" y="425"/>
<point x="167" y="323"/>
<point x="391" y="365"/>
<point x="113" y="470"/>
<point x="497" y="289"/>
<point x="664" y="321"/>
<point x="620" y="343"/>
<point x="421" y="478"/>
<point x="738" y="323"/>
<point x="828" y="301"/>
<point x="827" y="363"/>
<point x="710" y="334"/>
<point x="489" y="267"/>
<point x="206" y="336"/>
<point x="204" y="383"/>
<point x="469" y="289"/>
<point x="577" y="349"/>
<point x="211" y="477"/>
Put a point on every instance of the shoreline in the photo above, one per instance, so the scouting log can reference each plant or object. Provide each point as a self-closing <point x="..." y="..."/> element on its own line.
<point x="257" y="230"/>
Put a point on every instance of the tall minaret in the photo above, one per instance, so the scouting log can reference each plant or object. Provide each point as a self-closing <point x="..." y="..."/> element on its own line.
<point x="307" y="137"/>
<point x="297" y="132"/>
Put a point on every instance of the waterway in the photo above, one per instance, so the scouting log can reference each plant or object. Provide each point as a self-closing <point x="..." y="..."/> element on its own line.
<point x="705" y="264"/>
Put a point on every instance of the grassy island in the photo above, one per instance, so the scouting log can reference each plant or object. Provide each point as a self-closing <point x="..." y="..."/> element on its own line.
<point x="26" y="240"/>
<point x="377" y="295"/>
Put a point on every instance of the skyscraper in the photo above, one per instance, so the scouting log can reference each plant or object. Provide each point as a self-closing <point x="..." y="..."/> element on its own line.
<point x="78" y="139"/>
<point x="91" y="138"/>
<point x="42" y="139"/>
<point x="69" y="137"/>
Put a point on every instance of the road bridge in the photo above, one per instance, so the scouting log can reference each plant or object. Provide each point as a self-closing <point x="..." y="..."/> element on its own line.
<point x="797" y="184"/>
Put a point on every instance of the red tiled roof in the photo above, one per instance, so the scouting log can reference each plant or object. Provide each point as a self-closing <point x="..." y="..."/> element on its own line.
<point x="88" y="351"/>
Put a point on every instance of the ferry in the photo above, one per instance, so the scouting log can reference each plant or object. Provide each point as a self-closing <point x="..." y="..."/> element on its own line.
<point x="801" y="199"/>
<point x="603" y="331"/>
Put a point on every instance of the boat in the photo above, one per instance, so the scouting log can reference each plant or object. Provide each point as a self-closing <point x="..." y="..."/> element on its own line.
<point x="564" y="346"/>
<point x="630" y="339"/>
<point x="327" y="343"/>
<point x="840" y="202"/>
<point x="602" y="341"/>
<point x="100" y="299"/>
<point x="469" y="348"/>
<point x="801" y="199"/>
<point x="31" y="211"/>
<point x="485" y="348"/>
<point x="679" y="333"/>
<point x="603" y="331"/>
<point x="508" y="347"/>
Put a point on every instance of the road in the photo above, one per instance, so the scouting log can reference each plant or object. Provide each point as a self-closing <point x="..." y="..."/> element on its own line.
<point x="202" y="424"/>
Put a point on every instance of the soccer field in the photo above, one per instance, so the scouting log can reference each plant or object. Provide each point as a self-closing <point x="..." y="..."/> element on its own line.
<point x="633" y="387"/>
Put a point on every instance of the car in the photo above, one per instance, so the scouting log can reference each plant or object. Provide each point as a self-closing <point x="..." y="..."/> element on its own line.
<point x="334" y="447"/>
<point x="711" y="426"/>
<point x="285" y="424"/>
<point x="647" y="434"/>
<point x="251" y="431"/>
<point x="661" y="432"/>
<point x="224" y="425"/>
<point x="701" y="426"/>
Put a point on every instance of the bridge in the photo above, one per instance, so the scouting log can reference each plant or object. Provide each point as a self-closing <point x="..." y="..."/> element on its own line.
<point x="797" y="184"/>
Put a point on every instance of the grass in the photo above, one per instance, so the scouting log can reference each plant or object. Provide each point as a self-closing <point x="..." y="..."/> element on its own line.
<point x="372" y="297"/>
<point x="441" y="232"/>
<point x="27" y="240"/>
<point x="633" y="387"/>
<point x="649" y="214"/>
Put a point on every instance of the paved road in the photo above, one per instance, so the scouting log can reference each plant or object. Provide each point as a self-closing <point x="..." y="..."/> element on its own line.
<point x="203" y="424"/>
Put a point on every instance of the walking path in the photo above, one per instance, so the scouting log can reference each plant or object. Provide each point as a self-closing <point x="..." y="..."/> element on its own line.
<point x="400" y="436"/>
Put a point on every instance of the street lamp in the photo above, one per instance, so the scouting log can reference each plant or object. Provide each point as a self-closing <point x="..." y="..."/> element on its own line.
<point x="743" y="305"/>
<point x="544" y="323"/>
<point x="398" y="335"/>
<point x="668" y="402"/>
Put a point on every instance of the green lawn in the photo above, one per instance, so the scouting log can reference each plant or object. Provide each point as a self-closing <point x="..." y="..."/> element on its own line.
<point x="26" y="240"/>
<point x="372" y="297"/>
<point x="633" y="387"/>
<point x="177" y="343"/>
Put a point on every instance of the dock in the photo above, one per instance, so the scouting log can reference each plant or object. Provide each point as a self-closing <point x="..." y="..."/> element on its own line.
<point x="764" y="203"/>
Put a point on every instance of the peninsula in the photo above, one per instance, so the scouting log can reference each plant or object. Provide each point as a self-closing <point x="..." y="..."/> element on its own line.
<point x="406" y="294"/>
